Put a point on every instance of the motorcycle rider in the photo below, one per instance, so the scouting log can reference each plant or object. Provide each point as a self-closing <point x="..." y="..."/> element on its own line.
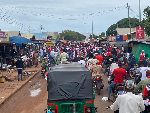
<point x="109" y="61"/>
<point x="119" y="73"/>
<point x="91" y="61"/>
<point x="97" y="70"/>
<point x="129" y="102"/>
<point x="64" y="56"/>
<point x="141" y="85"/>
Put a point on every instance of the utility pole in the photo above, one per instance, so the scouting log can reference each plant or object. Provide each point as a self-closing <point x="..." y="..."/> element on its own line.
<point x="129" y="19"/>
<point x="92" y="28"/>
<point x="139" y="12"/>
<point x="29" y="28"/>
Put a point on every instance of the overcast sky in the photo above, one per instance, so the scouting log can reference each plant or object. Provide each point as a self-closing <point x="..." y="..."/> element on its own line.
<point x="59" y="15"/>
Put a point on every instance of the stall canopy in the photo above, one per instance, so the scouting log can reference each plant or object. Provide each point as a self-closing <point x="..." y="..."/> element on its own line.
<point x="37" y="43"/>
<point x="18" y="40"/>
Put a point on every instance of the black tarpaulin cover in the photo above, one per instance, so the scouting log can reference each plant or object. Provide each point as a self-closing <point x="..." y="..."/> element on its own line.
<point x="69" y="82"/>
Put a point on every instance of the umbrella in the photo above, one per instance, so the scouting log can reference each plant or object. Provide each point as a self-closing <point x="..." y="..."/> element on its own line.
<point x="18" y="40"/>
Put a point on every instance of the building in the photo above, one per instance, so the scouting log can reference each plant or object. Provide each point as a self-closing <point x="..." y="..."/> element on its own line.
<point x="27" y="35"/>
<point x="51" y="34"/>
<point x="3" y="36"/>
<point x="13" y="33"/>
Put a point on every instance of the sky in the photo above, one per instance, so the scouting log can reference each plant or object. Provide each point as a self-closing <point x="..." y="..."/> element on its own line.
<point x="29" y="16"/>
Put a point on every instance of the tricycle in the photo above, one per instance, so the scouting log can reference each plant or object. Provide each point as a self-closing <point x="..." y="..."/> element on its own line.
<point x="70" y="89"/>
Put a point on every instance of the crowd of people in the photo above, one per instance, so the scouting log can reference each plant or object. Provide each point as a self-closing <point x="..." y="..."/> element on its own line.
<point x="106" y="60"/>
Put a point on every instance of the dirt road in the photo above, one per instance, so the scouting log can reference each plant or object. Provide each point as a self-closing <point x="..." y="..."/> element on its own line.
<point x="32" y="98"/>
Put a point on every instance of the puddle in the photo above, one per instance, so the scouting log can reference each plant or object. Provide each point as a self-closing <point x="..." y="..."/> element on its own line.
<point x="35" y="92"/>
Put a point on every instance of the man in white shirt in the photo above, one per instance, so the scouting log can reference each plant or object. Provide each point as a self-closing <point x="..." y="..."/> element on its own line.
<point x="114" y="65"/>
<point x="129" y="102"/>
<point x="143" y="71"/>
<point x="82" y="61"/>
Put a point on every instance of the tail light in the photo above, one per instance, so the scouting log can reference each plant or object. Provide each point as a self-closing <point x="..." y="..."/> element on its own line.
<point x="46" y="73"/>
<point x="88" y="110"/>
<point x="98" y="78"/>
<point x="51" y="104"/>
<point x="54" y="110"/>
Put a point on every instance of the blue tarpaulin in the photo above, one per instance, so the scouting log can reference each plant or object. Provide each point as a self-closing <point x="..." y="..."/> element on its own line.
<point x="119" y="38"/>
<point x="18" y="40"/>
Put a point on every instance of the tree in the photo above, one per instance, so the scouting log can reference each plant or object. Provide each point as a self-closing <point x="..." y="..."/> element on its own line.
<point x="72" y="35"/>
<point x="147" y="26"/>
<point x="146" y="22"/>
<point x="124" y="23"/>
<point x="147" y="12"/>
<point x="102" y="34"/>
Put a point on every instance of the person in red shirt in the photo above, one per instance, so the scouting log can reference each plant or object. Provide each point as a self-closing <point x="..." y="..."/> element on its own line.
<point x="100" y="59"/>
<point x="119" y="73"/>
<point x="110" y="48"/>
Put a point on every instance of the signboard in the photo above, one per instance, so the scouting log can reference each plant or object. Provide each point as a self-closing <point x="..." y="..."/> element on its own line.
<point x="2" y="34"/>
<point x="140" y="33"/>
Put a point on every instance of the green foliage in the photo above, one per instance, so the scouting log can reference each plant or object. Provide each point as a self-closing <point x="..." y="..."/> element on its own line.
<point x="147" y="11"/>
<point x="102" y="34"/>
<point x="147" y="26"/>
<point x="124" y="23"/>
<point x="72" y="36"/>
<point x="97" y="36"/>
<point x="146" y="22"/>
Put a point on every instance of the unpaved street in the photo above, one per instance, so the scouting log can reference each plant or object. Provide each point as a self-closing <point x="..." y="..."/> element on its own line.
<point x="32" y="98"/>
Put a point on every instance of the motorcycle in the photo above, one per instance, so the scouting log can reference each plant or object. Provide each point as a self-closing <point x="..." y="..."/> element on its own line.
<point x="97" y="82"/>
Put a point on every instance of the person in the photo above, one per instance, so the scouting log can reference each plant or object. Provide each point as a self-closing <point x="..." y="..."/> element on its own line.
<point x="109" y="61"/>
<point x="97" y="70"/>
<point x="35" y="58"/>
<point x="76" y="58"/>
<point x="127" y="68"/>
<point x="122" y="48"/>
<point x="129" y="102"/>
<point x="119" y="73"/>
<point x="99" y="58"/>
<point x="91" y="61"/>
<point x="141" y="85"/>
<point x="143" y="71"/>
<point x="81" y="61"/>
<point x="143" y="53"/>
<point x="64" y="56"/>
<point x="131" y="60"/>
<point x="41" y="54"/>
<point x="19" y="66"/>
<point x="114" y="65"/>
<point x="146" y="97"/>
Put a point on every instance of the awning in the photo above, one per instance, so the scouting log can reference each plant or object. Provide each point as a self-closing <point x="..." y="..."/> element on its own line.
<point x="18" y="40"/>
<point x="37" y="43"/>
